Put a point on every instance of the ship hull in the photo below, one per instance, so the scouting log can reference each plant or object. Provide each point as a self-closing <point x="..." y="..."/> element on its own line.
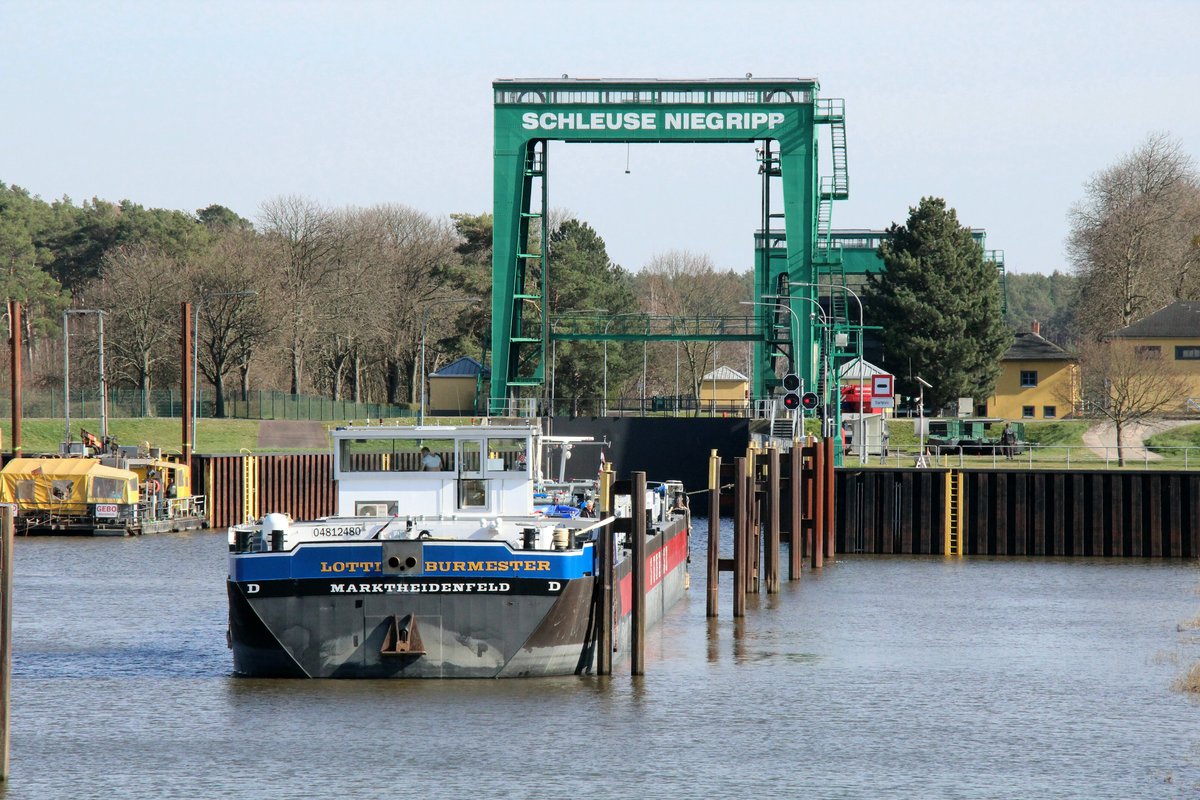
<point x="464" y="627"/>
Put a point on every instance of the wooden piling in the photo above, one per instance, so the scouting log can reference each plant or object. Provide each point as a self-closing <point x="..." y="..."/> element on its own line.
<point x="714" y="531"/>
<point x="796" y="528"/>
<point x="739" y="537"/>
<point x="7" y="521"/>
<point x="830" y="504"/>
<point x="753" y="528"/>
<point x="604" y="600"/>
<point x="186" y="383"/>
<point x="773" y="507"/>
<point x="14" y="321"/>
<point x="638" y="620"/>
<point x="818" y="505"/>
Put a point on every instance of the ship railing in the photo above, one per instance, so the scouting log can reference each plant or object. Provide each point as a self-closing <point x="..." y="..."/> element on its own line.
<point x="1028" y="455"/>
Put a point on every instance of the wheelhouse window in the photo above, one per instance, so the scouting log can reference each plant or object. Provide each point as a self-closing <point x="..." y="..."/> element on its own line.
<point x="1028" y="378"/>
<point x="506" y="455"/>
<point x="1187" y="353"/>
<point x="396" y="455"/>
<point x="1027" y="412"/>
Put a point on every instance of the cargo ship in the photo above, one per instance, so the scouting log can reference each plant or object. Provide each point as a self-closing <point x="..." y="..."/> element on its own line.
<point x="455" y="552"/>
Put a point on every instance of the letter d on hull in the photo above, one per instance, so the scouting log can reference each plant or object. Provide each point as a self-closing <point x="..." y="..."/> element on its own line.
<point x="251" y="588"/>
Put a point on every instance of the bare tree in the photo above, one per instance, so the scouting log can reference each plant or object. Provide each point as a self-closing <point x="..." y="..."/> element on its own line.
<point x="235" y="308"/>
<point x="678" y="283"/>
<point x="1125" y="384"/>
<point x="405" y="251"/>
<point x="305" y="243"/>
<point x="138" y="289"/>
<point x="1134" y="237"/>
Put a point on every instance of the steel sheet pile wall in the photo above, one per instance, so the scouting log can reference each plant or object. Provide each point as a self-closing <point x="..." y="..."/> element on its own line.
<point x="1036" y="513"/>
<point x="1131" y="514"/>
<point x="300" y="486"/>
<point x="890" y="511"/>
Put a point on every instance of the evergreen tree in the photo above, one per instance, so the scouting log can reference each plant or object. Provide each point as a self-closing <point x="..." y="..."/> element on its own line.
<point x="583" y="277"/>
<point x="938" y="302"/>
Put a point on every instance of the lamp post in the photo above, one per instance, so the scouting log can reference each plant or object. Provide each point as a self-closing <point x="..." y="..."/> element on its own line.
<point x="795" y="316"/>
<point x="424" y="323"/>
<point x="924" y="384"/>
<point x="196" y="354"/>
<point x="820" y="313"/>
<point x="67" y="370"/>
<point x="862" y="458"/>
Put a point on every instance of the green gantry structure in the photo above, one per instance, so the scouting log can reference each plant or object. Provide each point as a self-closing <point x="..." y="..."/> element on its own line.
<point x="806" y="316"/>
<point x="782" y="115"/>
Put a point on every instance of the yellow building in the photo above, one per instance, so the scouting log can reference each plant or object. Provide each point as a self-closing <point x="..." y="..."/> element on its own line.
<point x="1038" y="380"/>
<point x="1170" y="335"/>
<point x="454" y="389"/>
<point x="724" y="389"/>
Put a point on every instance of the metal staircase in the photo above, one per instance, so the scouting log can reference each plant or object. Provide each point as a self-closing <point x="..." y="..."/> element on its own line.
<point x="528" y="336"/>
<point x="997" y="257"/>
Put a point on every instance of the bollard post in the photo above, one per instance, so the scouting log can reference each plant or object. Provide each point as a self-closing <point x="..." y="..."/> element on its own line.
<point x="739" y="537"/>
<point x="714" y="531"/>
<point x="818" y="505"/>
<point x="752" y="520"/>
<point x="638" y="639"/>
<point x="796" y="538"/>
<point x="604" y="619"/>
<point x="830" y="501"/>
<point x="7" y="521"/>
<point x="773" y="506"/>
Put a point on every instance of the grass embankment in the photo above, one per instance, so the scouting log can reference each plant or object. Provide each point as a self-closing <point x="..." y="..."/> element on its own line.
<point x="1166" y="441"/>
<point x="212" y="435"/>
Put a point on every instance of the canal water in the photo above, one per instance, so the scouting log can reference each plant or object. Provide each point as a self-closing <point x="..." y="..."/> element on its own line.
<point x="892" y="677"/>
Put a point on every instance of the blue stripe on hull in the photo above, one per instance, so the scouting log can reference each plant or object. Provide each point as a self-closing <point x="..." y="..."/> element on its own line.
<point x="352" y="560"/>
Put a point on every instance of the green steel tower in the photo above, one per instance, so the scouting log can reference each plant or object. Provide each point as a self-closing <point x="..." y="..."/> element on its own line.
<point x="782" y="115"/>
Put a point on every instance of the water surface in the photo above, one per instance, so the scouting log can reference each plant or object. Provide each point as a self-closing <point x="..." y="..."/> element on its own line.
<point x="876" y="677"/>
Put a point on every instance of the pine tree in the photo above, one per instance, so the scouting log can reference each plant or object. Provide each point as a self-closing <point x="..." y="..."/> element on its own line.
<point x="938" y="302"/>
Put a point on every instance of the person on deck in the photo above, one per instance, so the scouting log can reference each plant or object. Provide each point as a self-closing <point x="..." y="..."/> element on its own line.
<point x="430" y="462"/>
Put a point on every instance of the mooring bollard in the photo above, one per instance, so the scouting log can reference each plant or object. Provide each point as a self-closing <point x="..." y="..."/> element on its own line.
<point x="604" y="600"/>
<point x="739" y="537"/>
<point x="830" y="502"/>
<point x="818" y="505"/>
<point x="773" y="507"/>
<point x="7" y="521"/>
<point x="714" y="531"/>
<point x="796" y="530"/>
<point x="638" y="639"/>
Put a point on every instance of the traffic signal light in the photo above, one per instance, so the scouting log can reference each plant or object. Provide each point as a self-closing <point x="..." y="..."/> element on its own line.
<point x="791" y="388"/>
<point x="810" y="401"/>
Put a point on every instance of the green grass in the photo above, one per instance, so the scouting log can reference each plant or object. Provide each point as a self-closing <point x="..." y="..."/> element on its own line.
<point x="212" y="435"/>
<point x="1185" y="436"/>
<point x="1067" y="433"/>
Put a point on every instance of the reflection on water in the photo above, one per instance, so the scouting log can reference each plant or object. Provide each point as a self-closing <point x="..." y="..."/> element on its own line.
<point x="876" y="677"/>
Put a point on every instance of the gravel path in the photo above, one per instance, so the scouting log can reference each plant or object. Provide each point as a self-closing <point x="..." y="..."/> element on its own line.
<point x="1104" y="435"/>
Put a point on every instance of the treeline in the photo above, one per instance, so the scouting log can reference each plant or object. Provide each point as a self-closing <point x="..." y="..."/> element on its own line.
<point x="333" y="301"/>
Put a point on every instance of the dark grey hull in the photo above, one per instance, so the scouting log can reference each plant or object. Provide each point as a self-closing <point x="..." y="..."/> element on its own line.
<point x="518" y="628"/>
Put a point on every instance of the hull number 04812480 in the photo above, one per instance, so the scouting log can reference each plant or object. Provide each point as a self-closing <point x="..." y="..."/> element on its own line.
<point x="338" y="531"/>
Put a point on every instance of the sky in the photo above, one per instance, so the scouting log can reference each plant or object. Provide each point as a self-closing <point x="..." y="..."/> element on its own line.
<point x="1004" y="109"/>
